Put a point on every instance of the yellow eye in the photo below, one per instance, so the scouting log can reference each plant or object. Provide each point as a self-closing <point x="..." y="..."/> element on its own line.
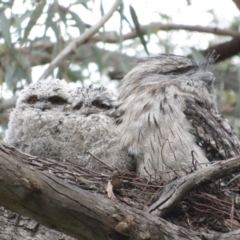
<point x="33" y="100"/>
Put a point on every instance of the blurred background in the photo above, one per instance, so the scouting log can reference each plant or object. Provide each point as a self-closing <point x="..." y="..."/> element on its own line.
<point x="34" y="32"/>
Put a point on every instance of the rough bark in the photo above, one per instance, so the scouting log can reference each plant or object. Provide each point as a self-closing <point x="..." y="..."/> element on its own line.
<point x="29" y="187"/>
<point x="78" y="213"/>
<point x="174" y="191"/>
<point x="14" y="226"/>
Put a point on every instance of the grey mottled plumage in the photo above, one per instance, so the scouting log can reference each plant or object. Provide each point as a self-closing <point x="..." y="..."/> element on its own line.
<point x="33" y="124"/>
<point x="169" y="119"/>
<point x="92" y="122"/>
<point x="52" y="120"/>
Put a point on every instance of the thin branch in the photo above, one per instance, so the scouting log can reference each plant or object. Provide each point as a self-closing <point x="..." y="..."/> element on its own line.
<point x="77" y="42"/>
<point x="110" y="38"/>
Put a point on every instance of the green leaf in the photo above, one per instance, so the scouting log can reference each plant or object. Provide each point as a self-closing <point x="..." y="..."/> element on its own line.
<point x="123" y="16"/>
<point x="57" y="47"/>
<point x="99" y="59"/>
<point x="63" y="16"/>
<point x="79" y="23"/>
<point x="165" y="17"/>
<point x="137" y="27"/>
<point x="74" y="75"/>
<point x="8" y="4"/>
<point x="55" y="28"/>
<point x="83" y="3"/>
<point x="19" y="73"/>
<point x="25" y="72"/>
<point x="8" y="77"/>
<point x="5" y="30"/>
<point x="36" y="13"/>
<point x="197" y="55"/>
<point x="52" y="9"/>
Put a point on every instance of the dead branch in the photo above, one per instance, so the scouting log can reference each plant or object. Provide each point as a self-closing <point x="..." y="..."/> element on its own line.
<point x="79" y="41"/>
<point x="35" y="187"/>
<point x="155" y="26"/>
<point x="78" y="213"/>
<point x="171" y="195"/>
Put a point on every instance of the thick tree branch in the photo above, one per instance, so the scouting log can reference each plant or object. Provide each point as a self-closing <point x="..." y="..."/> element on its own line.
<point x="69" y="209"/>
<point x="173" y="193"/>
<point x="224" y="50"/>
<point x="79" y="41"/>
<point x="79" y="213"/>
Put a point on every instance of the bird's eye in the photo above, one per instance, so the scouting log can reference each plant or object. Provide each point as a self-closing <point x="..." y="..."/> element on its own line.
<point x="78" y="106"/>
<point x="33" y="99"/>
<point x="57" y="100"/>
<point x="100" y="105"/>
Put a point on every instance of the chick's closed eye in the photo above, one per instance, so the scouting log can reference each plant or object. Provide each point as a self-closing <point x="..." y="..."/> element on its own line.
<point x="57" y="100"/>
<point x="32" y="99"/>
<point x="99" y="104"/>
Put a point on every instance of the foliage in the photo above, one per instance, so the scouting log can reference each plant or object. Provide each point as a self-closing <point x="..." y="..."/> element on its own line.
<point x="33" y="33"/>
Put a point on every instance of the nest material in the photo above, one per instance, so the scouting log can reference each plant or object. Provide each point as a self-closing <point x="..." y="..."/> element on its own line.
<point x="213" y="207"/>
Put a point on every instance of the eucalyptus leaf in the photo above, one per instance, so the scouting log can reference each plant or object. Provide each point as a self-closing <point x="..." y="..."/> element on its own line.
<point x="5" y="30"/>
<point x="79" y="23"/>
<point x="99" y="62"/>
<point x="36" y="14"/>
<point x="83" y="3"/>
<point x="74" y="75"/>
<point x="9" y="73"/>
<point x="197" y="55"/>
<point x="52" y="9"/>
<point x="54" y="26"/>
<point x="63" y="16"/>
<point x="137" y="27"/>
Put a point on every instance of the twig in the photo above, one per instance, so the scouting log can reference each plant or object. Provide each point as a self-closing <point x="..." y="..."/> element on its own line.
<point x="173" y="170"/>
<point x="77" y="42"/>
<point x="232" y="214"/>
<point x="144" y="188"/>
<point x="152" y="197"/>
<point x="100" y="161"/>
<point x="232" y="180"/>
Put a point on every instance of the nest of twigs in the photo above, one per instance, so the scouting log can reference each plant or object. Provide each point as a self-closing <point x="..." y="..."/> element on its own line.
<point x="211" y="207"/>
